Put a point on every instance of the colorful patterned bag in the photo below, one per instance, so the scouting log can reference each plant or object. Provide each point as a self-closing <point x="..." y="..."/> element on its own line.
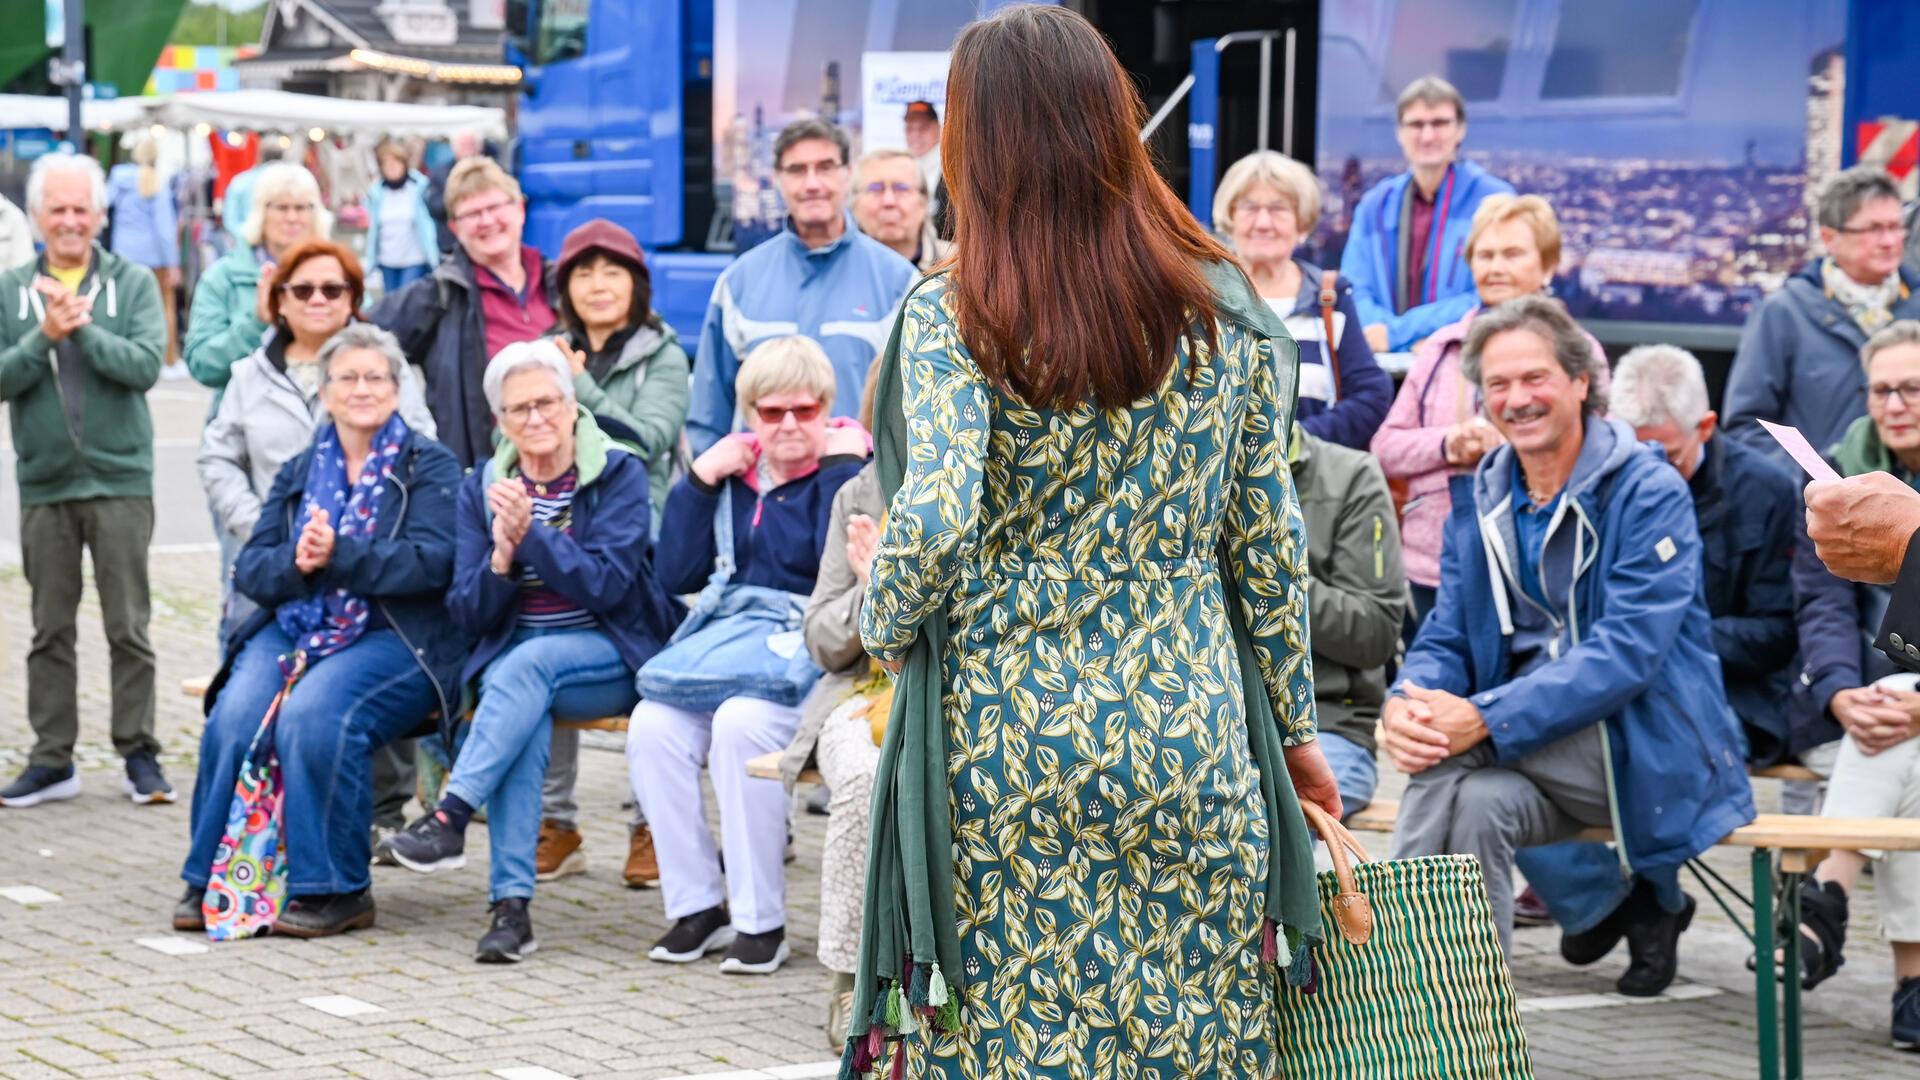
<point x="248" y="884"/>
<point x="1412" y="986"/>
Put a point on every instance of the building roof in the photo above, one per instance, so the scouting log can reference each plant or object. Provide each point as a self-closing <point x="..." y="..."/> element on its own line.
<point x="363" y="19"/>
<point x="361" y="23"/>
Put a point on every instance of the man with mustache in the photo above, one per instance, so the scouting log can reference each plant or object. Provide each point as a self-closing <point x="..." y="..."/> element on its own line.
<point x="1566" y="677"/>
<point x="81" y="340"/>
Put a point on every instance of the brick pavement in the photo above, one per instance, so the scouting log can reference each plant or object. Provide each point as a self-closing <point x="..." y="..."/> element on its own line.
<point x="79" y="997"/>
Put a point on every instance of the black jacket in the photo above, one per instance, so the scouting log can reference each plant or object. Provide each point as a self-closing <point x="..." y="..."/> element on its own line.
<point x="1748" y="509"/>
<point x="1900" y="630"/>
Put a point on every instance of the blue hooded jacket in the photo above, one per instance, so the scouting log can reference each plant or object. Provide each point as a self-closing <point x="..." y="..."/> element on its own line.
<point x="842" y="295"/>
<point x="1636" y="649"/>
<point x="1370" y="259"/>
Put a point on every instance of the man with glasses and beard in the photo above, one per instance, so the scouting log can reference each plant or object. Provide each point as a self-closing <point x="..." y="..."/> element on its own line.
<point x="819" y="277"/>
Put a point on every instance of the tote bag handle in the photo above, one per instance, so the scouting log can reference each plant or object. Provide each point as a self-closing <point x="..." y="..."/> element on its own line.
<point x="1351" y="911"/>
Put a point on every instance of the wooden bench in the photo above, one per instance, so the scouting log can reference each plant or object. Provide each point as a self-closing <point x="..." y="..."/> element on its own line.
<point x="1802" y="842"/>
<point x="197" y="688"/>
<point x="767" y="767"/>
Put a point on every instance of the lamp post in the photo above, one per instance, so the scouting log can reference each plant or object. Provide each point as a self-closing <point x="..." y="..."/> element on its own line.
<point x="67" y="29"/>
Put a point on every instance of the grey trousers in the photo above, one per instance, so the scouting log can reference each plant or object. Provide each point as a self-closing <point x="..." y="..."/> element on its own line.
<point x="563" y="771"/>
<point x="1471" y="805"/>
<point x="116" y="532"/>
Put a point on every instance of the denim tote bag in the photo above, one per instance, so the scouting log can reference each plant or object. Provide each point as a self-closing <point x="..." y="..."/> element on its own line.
<point x="738" y="641"/>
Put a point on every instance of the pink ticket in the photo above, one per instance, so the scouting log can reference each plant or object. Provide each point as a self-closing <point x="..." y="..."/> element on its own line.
<point x="1796" y="445"/>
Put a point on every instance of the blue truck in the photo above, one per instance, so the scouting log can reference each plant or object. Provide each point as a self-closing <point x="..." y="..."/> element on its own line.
<point x="1711" y="121"/>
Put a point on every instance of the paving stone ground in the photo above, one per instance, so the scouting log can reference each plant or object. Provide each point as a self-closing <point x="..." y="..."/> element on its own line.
<point x="79" y="997"/>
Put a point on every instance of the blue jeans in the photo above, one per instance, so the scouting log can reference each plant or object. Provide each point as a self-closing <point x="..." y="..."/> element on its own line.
<point x="1353" y="770"/>
<point x="503" y="762"/>
<point x="1581" y="882"/>
<point x="395" y="278"/>
<point x="361" y="697"/>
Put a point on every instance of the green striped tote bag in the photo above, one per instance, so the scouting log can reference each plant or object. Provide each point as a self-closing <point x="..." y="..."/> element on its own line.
<point x="1412" y="984"/>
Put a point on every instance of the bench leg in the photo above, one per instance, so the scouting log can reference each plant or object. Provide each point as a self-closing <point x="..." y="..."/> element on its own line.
<point x="1790" y="1016"/>
<point x="1766" y="1020"/>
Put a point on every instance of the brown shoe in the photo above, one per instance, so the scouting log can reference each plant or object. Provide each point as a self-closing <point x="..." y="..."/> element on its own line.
<point x="643" y="868"/>
<point x="559" y="853"/>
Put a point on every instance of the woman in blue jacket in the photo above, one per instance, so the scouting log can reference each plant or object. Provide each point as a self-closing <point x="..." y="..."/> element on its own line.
<point x="146" y="228"/>
<point x="400" y="234"/>
<point x="555" y="574"/>
<point x="349" y="563"/>
<point x="1265" y="204"/>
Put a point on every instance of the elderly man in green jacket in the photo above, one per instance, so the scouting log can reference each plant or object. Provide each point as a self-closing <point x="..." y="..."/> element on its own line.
<point x="1357" y="600"/>
<point x="81" y="342"/>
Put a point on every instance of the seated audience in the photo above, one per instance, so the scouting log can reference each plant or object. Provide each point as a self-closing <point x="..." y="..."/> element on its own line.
<point x="839" y="725"/>
<point x="554" y="574"/>
<point x="1357" y="601"/>
<point x="778" y="481"/>
<point x="349" y="563"/>
<point x="1798" y="361"/>
<point x="890" y="204"/>
<point x="272" y="401"/>
<point x="630" y="372"/>
<point x="1566" y="676"/>
<point x="1437" y="429"/>
<point x="1266" y="204"/>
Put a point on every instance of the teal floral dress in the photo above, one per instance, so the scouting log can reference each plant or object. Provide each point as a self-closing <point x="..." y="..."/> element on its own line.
<point x="1109" y="834"/>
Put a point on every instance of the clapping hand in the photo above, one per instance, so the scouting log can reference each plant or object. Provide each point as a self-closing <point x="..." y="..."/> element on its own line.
<point x="314" y="548"/>
<point x="66" y="311"/>
<point x="863" y="541"/>
<point x="512" y="516"/>
<point x="263" y="293"/>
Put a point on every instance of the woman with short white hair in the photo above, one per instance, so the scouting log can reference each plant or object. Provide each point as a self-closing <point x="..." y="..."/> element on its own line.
<point x="554" y="572"/>
<point x="231" y="309"/>
<point x="1266" y="204"/>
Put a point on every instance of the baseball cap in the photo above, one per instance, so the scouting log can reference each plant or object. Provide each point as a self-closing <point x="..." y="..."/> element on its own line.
<point x="922" y="108"/>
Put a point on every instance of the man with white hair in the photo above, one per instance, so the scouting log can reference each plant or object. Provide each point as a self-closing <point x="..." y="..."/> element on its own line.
<point x="1746" y="507"/>
<point x="81" y="341"/>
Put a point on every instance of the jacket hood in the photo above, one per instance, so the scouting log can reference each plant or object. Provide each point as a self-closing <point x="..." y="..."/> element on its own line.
<point x="591" y="450"/>
<point x="1608" y="445"/>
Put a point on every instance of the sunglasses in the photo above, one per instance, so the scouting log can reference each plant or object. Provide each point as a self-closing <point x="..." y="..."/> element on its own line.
<point x="773" y="414"/>
<point x="303" y="291"/>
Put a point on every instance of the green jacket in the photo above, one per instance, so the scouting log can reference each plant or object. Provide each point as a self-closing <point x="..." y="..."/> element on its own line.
<point x="1357" y="598"/>
<point x="221" y="328"/>
<point x="103" y="444"/>
<point x="647" y="391"/>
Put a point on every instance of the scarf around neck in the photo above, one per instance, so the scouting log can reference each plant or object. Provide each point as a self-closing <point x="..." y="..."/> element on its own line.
<point x="1871" y="306"/>
<point x="328" y="619"/>
<point x="910" y="977"/>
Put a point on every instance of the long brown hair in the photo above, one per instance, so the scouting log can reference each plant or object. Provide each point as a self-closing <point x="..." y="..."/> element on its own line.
<point x="1077" y="271"/>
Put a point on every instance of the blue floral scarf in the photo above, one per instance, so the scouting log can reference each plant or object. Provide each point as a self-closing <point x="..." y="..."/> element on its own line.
<point x="327" y="620"/>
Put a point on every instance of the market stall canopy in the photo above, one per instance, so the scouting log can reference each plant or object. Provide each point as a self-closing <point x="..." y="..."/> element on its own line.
<point x="257" y="110"/>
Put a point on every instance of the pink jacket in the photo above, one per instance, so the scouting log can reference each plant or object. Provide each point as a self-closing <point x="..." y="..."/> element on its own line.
<point x="1411" y="441"/>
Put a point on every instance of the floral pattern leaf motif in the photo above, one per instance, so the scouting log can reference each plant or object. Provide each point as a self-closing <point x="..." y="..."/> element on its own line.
<point x="1108" y="828"/>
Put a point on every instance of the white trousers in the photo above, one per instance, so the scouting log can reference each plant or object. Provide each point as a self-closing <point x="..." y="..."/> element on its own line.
<point x="1884" y="785"/>
<point x="666" y="749"/>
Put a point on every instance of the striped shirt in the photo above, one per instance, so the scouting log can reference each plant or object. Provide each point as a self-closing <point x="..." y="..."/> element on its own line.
<point x="540" y="605"/>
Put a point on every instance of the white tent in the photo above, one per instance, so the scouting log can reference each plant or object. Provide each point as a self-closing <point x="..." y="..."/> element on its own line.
<point x="32" y="111"/>
<point x="278" y="110"/>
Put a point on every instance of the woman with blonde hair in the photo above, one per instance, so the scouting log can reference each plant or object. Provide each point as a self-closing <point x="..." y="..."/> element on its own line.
<point x="146" y="229"/>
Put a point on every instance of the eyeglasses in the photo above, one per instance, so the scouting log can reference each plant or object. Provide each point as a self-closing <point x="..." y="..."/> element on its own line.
<point x="1885" y="228"/>
<point x="547" y="407"/>
<point x="800" y="170"/>
<point x="496" y="211"/>
<point x="303" y="290"/>
<point x="1252" y="211"/>
<point x="372" y="380"/>
<point x="776" y="414"/>
<point x="1435" y="126"/>
<point x="1907" y="392"/>
<point x="297" y="209"/>
<point x="899" y="187"/>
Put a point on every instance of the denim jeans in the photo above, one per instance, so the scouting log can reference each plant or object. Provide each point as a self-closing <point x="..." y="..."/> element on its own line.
<point x="1353" y="770"/>
<point x="361" y="697"/>
<point x="395" y="278"/>
<point x="503" y="762"/>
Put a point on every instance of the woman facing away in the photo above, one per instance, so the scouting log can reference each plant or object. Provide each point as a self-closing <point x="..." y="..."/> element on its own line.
<point x="1085" y="454"/>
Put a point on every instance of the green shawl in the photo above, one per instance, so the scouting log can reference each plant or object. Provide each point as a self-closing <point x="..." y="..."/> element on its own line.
<point x="910" y="973"/>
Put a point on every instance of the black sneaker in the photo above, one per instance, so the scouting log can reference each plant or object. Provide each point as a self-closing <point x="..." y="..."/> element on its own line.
<point x="145" y="783"/>
<point x="756" y="954"/>
<point x="694" y="937"/>
<point x="1906" y="1014"/>
<point x="1653" y="943"/>
<point x="511" y="936"/>
<point x="1592" y="945"/>
<point x="428" y="845"/>
<point x="324" y="916"/>
<point x="41" y="783"/>
<point x="187" y="914"/>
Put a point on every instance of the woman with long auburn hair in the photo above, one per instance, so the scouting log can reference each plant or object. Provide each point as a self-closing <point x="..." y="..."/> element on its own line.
<point x="1082" y="428"/>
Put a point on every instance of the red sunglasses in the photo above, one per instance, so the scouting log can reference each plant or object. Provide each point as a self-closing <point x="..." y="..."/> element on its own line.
<point x="773" y="414"/>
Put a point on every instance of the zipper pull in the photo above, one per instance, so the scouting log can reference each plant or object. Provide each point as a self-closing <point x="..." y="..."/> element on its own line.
<point x="1379" y="556"/>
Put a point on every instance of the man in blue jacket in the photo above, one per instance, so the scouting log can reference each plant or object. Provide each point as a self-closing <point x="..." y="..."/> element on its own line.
<point x="1406" y="255"/>
<point x="820" y="277"/>
<point x="1566" y="677"/>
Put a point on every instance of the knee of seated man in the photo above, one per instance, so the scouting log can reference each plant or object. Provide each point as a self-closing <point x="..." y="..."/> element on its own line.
<point x="1493" y="798"/>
